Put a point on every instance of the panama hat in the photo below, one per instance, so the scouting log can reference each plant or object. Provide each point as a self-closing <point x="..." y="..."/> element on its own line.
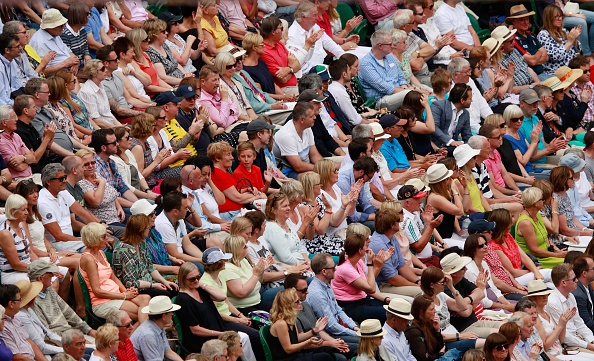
<point x="568" y="75"/>
<point x="503" y="33"/>
<point x="371" y="328"/>
<point x="400" y="308"/>
<point x="159" y="305"/>
<point x="538" y="288"/>
<point x="453" y="263"/>
<point x="518" y="12"/>
<point x="437" y="173"/>
<point x="492" y="45"/>
<point x="28" y="290"/>
<point x="554" y="83"/>
<point x="378" y="131"/>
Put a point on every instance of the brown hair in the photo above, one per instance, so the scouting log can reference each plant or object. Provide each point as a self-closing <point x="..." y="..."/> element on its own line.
<point x="548" y="16"/>
<point x="418" y="309"/>
<point x="503" y="222"/>
<point x="68" y="75"/>
<point x="135" y="227"/>
<point x="559" y="177"/>
<point x="272" y="205"/>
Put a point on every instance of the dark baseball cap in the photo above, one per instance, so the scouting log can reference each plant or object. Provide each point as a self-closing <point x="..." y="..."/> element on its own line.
<point x="390" y="120"/>
<point x="408" y="191"/>
<point x="480" y="225"/>
<point x="309" y="94"/>
<point x="167" y="97"/>
<point x="185" y="91"/>
<point x="258" y="125"/>
<point x="321" y="70"/>
<point x="167" y="17"/>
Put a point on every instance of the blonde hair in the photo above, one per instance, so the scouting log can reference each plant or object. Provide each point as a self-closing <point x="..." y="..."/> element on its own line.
<point x="366" y="347"/>
<point x="324" y="168"/>
<point x="13" y="203"/>
<point x="92" y="234"/>
<point x="106" y="335"/>
<point x="293" y="189"/>
<point x="91" y="68"/>
<point x="512" y="111"/>
<point x="239" y="225"/>
<point x="494" y="119"/>
<point x="308" y="181"/>
<point x="530" y="196"/>
<point x="222" y="60"/>
<point x="250" y="40"/>
<point x="81" y="153"/>
<point x="154" y="27"/>
<point x="136" y="36"/>
<point x="234" y="245"/>
<point x="358" y="229"/>
<point x="232" y="339"/>
<point x="282" y="307"/>
<point x="392" y="204"/>
<point x="184" y="270"/>
<point x="142" y="126"/>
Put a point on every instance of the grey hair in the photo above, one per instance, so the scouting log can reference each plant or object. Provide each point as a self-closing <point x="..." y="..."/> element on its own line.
<point x="68" y="335"/>
<point x="213" y="348"/>
<point x="293" y="189"/>
<point x="12" y="27"/>
<point x="5" y="111"/>
<point x="70" y="162"/>
<point x="402" y="17"/>
<point x="398" y="35"/>
<point x="361" y="131"/>
<point x="49" y="171"/>
<point x="577" y="151"/>
<point x="380" y="37"/>
<point x="518" y="318"/>
<point x="304" y="10"/>
<point x="63" y="356"/>
<point x="476" y="142"/>
<point x="309" y="81"/>
<point x="542" y="90"/>
<point x="525" y="303"/>
<point x="221" y="61"/>
<point x="115" y="318"/>
<point x="456" y="65"/>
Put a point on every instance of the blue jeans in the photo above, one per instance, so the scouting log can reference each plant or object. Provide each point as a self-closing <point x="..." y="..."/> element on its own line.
<point x="229" y="216"/>
<point x="587" y="37"/>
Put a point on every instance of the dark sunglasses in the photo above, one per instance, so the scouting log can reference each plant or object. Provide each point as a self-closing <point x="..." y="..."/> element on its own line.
<point x="89" y="163"/>
<point x="112" y="143"/>
<point x="193" y="279"/>
<point x="502" y="347"/>
<point x="60" y="179"/>
<point x="516" y="119"/>
<point x="502" y="125"/>
<point x="481" y="245"/>
<point x="145" y="40"/>
<point x="231" y="66"/>
<point x="303" y="290"/>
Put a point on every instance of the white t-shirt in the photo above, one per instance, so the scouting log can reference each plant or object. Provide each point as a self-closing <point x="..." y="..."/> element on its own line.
<point x="444" y="315"/>
<point x="343" y="100"/>
<point x="288" y="143"/>
<point x="54" y="209"/>
<point x="413" y="226"/>
<point x="454" y="18"/>
<point x="168" y="233"/>
<point x="336" y="203"/>
<point x="207" y="198"/>
<point x="153" y="143"/>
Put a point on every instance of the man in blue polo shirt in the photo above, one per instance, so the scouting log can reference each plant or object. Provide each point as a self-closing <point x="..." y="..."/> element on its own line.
<point x="391" y="149"/>
<point x="529" y="104"/>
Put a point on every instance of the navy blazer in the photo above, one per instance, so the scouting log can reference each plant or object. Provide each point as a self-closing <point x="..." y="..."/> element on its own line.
<point x="442" y="115"/>
<point x="583" y="304"/>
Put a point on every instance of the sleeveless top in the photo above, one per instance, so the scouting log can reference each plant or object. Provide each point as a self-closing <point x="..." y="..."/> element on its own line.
<point x="511" y="251"/>
<point x="37" y="233"/>
<point x="277" y="350"/>
<point x="22" y="246"/>
<point x="295" y="226"/>
<point x="105" y="281"/>
<point x="549" y="326"/>
<point x="539" y="230"/>
<point x="446" y="228"/>
<point x="475" y="194"/>
<point x="148" y="159"/>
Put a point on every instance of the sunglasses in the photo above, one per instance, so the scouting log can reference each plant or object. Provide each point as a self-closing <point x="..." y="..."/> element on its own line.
<point x="193" y="279"/>
<point x="231" y="66"/>
<point x="145" y="40"/>
<point x="303" y="290"/>
<point x="516" y="119"/>
<point x="502" y="347"/>
<point x="129" y="324"/>
<point x="481" y="245"/>
<point x="502" y="125"/>
<point x="60" y="179"/>
<point x="89" y="163"/>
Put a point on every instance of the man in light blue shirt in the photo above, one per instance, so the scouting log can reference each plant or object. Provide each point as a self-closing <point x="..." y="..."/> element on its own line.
<point x="391" y="148"/>
<point x="48" y="39"/>
<point x="380" y="74"/>
<point x="397" y="318"/>
<point x="322" y="300"/>
<point x="395" y="276"/>
<point x="9" y="50"/>
<point x="361" y="172"/>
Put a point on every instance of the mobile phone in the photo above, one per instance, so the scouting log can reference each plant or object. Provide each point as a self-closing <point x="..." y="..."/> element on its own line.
<point x="466" y="53"/>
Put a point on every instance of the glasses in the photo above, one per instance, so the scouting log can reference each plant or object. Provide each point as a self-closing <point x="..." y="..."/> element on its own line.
<point x="164" y="32"/>
<point x="465" y="72"/>
<point x="88" y="13"/>
<point x="129" y="324"/>
<point x="298" y="302"/>
<point x="429" y="7"/>
<point x="171" y="23"/>
<point x="586" y="71"/>
<point x="231" y="66"/>
<point x="73" y="81"/>
<point x="481" y="245"/>
<point x="17" y="300"/>
<point x="89" y="163"/>
<point x="570" y="178"/>
<point x="571" y="279"/>
<point x="193" y="279"/>
<point x="59" y="179"/>
<point x="101" y="69"/>
<point x="421" y="14"/>
<point x="16" y="46"/>
<point x="145" y="40"/>
<point x="161" y="118"/>
<point x="111" y="143"/>
<point x="516" y="119"/>
<point x="152" y="214"/>
<point x="303" y="290"/>
<point x="22" y="32"/>
<point x="497" y="137"/>
<point x="386" y="44"/>
<point x="502" y="125"/>
<point x="502" y="347"/>
<point x="44" y="92"/>
<point x="442" y="282"/>
<point x="332" y="268"/>
<point x="111" y="60"/>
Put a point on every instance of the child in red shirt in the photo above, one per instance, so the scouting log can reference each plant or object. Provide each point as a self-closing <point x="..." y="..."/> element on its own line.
<point x="246" y="152"/>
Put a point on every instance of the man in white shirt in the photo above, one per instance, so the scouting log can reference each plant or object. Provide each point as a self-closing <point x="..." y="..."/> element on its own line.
<point x="304" y="27"/>
<point x="418" y="233"/>
<point x="561" y="300"/>
<point x="339" y="71"/>
<point x="398" y="317"/>
<point x="459" y="68"/>
<point x="55" y="205"/>
<point x="452" y="16"/>
<point x="294" y="143"/>
<point x="447" y="53"/>
<point x="170" y="223"/>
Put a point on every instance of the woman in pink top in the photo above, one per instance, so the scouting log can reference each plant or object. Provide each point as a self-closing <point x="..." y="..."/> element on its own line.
<point x="107" y="293"/>
<point x="354" y="281"/>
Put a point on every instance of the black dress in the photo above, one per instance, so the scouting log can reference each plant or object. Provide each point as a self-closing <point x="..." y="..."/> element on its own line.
<point x="194" y="313"/>
<point x="446" y="228"/>
<point x="279" y="354"/>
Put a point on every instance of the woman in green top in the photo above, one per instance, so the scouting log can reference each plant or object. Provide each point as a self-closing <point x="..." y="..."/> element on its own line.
<point x="531" y="233"/>
<point x="132" y="264"/>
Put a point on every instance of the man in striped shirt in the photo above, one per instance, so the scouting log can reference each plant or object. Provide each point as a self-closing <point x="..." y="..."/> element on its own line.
<point x="417" y="232"/>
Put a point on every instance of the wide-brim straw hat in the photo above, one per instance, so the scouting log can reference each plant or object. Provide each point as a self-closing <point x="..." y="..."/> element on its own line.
<point x="554" y="83"/>
<point x="453" y="262"/>
<point x="538" y="288"/>
<point x="159" y="305"/>
<point x="371" y="328"/>
<point x="400" y="307"/>
<point x="28" y="290"/>
<point x="492" y="45"/>
<point x="517" y="12"/>
<point x="437" y="173"/>
<point x="503" y="33"/>
<point x="464" y="153"/>
<point x="568" y="75"/>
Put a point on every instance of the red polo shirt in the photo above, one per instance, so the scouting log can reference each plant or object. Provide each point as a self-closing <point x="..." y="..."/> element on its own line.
<point x="277" y="57"/>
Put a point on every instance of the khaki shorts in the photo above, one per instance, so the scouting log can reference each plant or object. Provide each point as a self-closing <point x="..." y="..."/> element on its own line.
<point x="103" y="310"/>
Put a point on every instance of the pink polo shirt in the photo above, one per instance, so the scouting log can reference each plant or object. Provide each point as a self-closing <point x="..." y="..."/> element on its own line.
<point x="11" y="145"/>
<point x="493" y="164"/>
<point x="344" y="276"/>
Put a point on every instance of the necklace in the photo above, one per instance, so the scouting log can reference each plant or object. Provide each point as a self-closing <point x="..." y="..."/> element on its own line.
<point x="410" y="146"/>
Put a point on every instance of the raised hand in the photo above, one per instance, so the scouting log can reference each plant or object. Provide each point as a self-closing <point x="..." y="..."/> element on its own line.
<point x="320" y="324"/>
